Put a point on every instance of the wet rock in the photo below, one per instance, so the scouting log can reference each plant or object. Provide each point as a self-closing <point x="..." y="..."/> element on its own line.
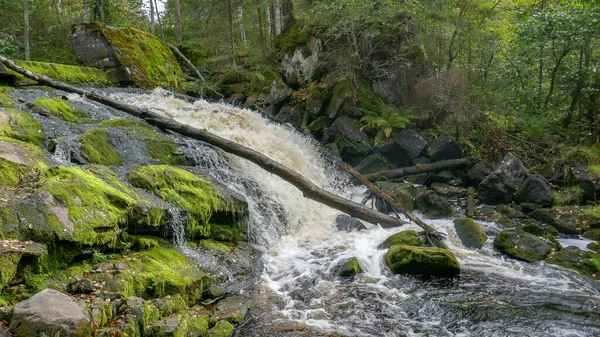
<point x="401" y="193"/>
<point x="295" y="115"/>
<point x="49" y="313"/>
<point x="352" y="142"/>
<point x="347" y="223"/>
<point x="585" y="263"/>
<point x="279" y="93"/>
<point x="535" y="190"/>
<point x="221" y="329"/>
<point x="424" y="261"/>
<point x="595" y="246"/>
<point x="406" y="238"/>
<point x="350" y="268"/>
<point x="522" y="245"/>
<point x="470" y="233"/>
<point x="232" y="309"/>
<point x="433" y="206"/>
<point x="405" y="147"/>
<point x="476" y="174"/>
<point x="500" y="186"/>
<point x="445" y="148"/>
<point x="372" y="164"/>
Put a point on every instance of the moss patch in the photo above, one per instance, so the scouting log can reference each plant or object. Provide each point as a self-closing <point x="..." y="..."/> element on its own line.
<point x="407" y="238"/>
<point x="522" y="245"/>
<point x="5" y="100"/>
<point x="350" y="268"/>
<point x="20" y="125"/>
<point x="97" y="147"/>
<point x="425" y="261"/>
<point x="82" y="76"/>
<point x="58" y="108"/>
<point x="17" y="159"/>
<point x="585" y="263"/>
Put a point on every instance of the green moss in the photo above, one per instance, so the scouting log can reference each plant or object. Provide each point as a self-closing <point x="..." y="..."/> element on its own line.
<point x="296" y="38"/>
<point x="182" y="189"/>
<point x="150" y="61"/>
<point x="568" y="197"/>
<point x="592" y="234"/>
<point x="408" y="238"/>
<point x="8" y="266"/>
<point x="320" y="123"/>
<point x="83" y="76"/>
<point x="215" y="245"/>
<point x="260" y="82"/>
<point x="594" y="169"/>
<point x="21" y="126"/>
<point x="59" y="108"/>
<point x="30" y="156"/>
<point x="145" y="242"/>
<point x="5" y="100"/>
<point x="470" y="233"/>
<point x="595" y="246"/>
<point x="95" y="207"/>
<point x="350" y="268"/>
<point x="425" y="261"/>
<point x="97" y="147"/>
<point x="522" y="245"/>
<point x="585" y="263"/>
<point x="222" y="329"/>
<point x="592" y="211"/>
<point x="12" y="173"/>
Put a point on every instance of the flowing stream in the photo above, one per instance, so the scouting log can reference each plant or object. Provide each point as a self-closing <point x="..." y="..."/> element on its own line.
<point x="300" y="295"/>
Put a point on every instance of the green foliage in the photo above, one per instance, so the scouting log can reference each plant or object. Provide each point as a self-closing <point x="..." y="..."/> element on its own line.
<point x="386" y="121"/>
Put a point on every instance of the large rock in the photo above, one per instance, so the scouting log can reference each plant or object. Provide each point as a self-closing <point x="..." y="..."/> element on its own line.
<point x="568" y="220"/>
<point x="424" y="261"/>
<point x="49" y="313"/>
<point x="500" y="186"/>
<point x="129" y="55"/>
<point x="352" y="142"/>
<point x="470" y="233"/>
<point x="433" y="206"/>
<point x="406" y="238"/>
<point x="347" y="223"/>
<point x="445" y="148"/>
<point x="407" y="146"/>
<point x="585" y="263"/>
<point x="350" y="268"/>
<point x="301" y="65"/>
<point x="476" y="174"/>
<point x="372" y="164"/>
<point x="522" y="245"/>
<point x="535" y="190"/>
<point x="588" y="182"/>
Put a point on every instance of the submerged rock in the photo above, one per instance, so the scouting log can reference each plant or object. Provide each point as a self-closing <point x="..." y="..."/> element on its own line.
<point x="49" y="313"/>
<point x="347" y="223"/>
<point x="522" y="245"/>
<point x="424" y="261"/>
<point x="470" y="233"/>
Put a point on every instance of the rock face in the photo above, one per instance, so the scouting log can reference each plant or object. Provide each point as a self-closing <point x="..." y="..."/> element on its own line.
<point x="407" y="146"/>
<point x="535" y="190"/>
<point x="522" y="245"/>
<point x="445" y="148"/>
<point x="470" y="233"/>
<point x="347" y="223"/>
<point x="433" y="206"/>
<point x="300" y="66"/>
<point x="52" y="313"/>
<point x="127" y="54"/>
<point x="500" y="186"/>
<point x="424" y="261"/>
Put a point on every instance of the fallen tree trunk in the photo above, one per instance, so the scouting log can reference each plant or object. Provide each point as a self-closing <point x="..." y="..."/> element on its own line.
<point x="309" y="189"/>
<point x="431" y="232"/>
<point x="424" y="168"/>
<point x="188" y="62"/>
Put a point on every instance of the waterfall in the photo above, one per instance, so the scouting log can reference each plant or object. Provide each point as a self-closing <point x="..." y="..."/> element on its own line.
<point x="495" y="296"/>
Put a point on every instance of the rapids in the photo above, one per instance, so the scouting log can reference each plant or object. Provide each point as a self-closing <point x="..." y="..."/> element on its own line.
<point x="299" y="294"/>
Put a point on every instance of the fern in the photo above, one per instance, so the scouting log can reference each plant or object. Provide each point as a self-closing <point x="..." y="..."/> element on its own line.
<point x="386" y="121"/>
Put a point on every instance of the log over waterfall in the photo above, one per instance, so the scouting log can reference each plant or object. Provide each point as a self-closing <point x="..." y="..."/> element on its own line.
<point x="310" y="190"/>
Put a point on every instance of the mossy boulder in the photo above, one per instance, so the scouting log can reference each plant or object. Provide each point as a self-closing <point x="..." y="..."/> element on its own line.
<point x="592" y="234"/>
<point x="350" y="268"/>
<point x="128" y="141"/>
<point x="585" y="263"/>
<point x="407" y="238"/>
<point x="595" y="246"/>
<point x="59" y="108"/>
<point x="18" y="159"/>
<point x="200" y="198"/>
<point x="129" y="55"/>
<point x="5" y="100"/>
<point x="470" y="233"/>
<point x="522" y="245"/>
<point x="221" y="329"/>
<point x="433" y="206"/>
<point x="423" y="261"/>
<point x="82" y="76"/>
<point x="568" y="220"/>
<point x="20" y="125"/>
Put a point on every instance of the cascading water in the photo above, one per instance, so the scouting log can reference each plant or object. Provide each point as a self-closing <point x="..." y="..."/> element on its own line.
<point x="494" y="296"/>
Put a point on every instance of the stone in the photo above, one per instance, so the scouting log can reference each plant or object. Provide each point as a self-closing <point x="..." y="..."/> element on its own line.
<point x="279" y="93"/>
<point x="232" y="309"/>
<point x="535" y="190"/>
<point x="350" y="268"/>
<point x="448" y="191"/>
<point x="401" y="193"/>
<point x="352" y="142"/>
<point x="372" y="164"/>
<point x="592" y="234"/>
<point x="221" y="329"/>
<point x="405" y="147"/>
<point x="83" y="286"/>
<point x="433" y="206"/>
<point x="522" y="245"/>
<point x="567" y="220"/>
<point x="445" y="148"/>
<point x="406" y="238"/>
<point x="470" y="233"/>
<point x="585" y="263"/>
<point x="301" y="65"/>
<point x="52" y="313"/>
<point x="424" y="261"/>
<point x="347" y="223"/>
<point x="588" y="182"/>
<point x="500" y="186"/>
<point x="476" y="174"/>
<point x="595" y="246"/>
<point x="292" y="114"/>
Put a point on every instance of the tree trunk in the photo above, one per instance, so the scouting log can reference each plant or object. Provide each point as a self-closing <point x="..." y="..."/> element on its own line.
<point x="277" y="17"/>
<point x="241" y="23"/>
<point x="261" y="34"/>
<point x="310" y="190"/>
<point x="152" y="30"/>
<point x="287" y="15"/>
<point x="26" y="29"/>
<point x="231" y="37"/>
<point x="188" y="62"/>
<point x="554" y="71"/>
<point x="179" y="33"/>
<point x="162" y="29"/>
<point x="424" y="168"/>
<point x="97" y="13"/>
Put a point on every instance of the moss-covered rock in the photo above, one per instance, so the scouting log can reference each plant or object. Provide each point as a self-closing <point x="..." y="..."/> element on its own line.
<point x="221" y="329"/>
<point x="568" y="220"/>
<point x="5" y="100"/>
<point x="350" y="268"/>
<point x="585" y="263"/>
<point x="522" y="245"/>
<point x="470" y="233"/>
<point x="59" y="108"/>
<point x="424" y="261"/>
<point x="83" y="76"/>
<point x="406" y="238"/>
<point x="433" y="206"/>
<point x="8" y="266"/>
<point x="592" y="234"/>
<point x="20" y="125"/>
<point x="595" y="246"/>
<point x="17" y="159"/>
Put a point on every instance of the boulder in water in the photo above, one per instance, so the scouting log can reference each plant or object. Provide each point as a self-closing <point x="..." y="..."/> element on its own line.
<point x="470" y="233"/>
<point x="347" y="223"/>
<point x="500" y="186"/>
<point x="585" y="263"/>
<point x="424" y="261"/>
<point x="433" y="206"/>
<point x="522" y="245"/>
<point x="445" y="148"/>
<point x="406" y="238"/>
<point x="49" y="313"/>
<point x="350" y="268"/>
<point x="535" y="190"/>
